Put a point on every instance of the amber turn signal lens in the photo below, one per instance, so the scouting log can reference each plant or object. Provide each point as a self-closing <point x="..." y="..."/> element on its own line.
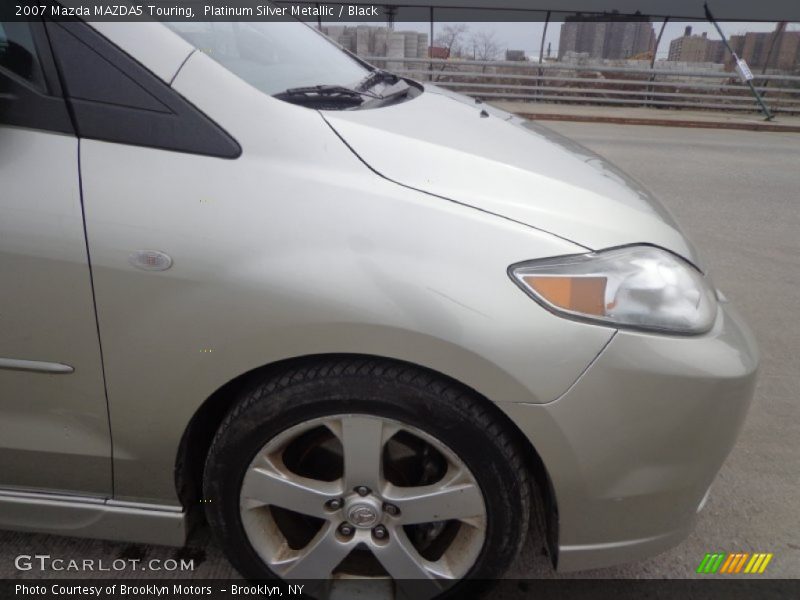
<point x="584" y="295"/>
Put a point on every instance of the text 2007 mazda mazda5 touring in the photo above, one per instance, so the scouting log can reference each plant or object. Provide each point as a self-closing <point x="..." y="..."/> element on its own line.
<point x="363" y="323"/>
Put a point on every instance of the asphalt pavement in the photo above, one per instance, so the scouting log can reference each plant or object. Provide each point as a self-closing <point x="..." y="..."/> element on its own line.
<point x="737" y="194"/>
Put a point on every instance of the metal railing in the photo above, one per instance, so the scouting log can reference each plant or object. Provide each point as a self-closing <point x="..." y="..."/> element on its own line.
<point x="601" y="85"/>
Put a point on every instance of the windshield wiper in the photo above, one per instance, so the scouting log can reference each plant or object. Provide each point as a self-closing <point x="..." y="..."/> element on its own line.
<point x="337" y="95"/>
<point x="340" y="96"/>
<point x="376" y="77"/>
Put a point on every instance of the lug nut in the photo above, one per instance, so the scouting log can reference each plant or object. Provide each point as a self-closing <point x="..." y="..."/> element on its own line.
<point x="362" y="490"/>
<point x="334" y="504"/>
<point x="346" y="529"/>
<point x="391" y="509"/>
<point x="380" y="532"/>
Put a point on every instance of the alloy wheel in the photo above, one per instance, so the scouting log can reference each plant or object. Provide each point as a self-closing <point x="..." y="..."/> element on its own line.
<point x="362" y="496"/>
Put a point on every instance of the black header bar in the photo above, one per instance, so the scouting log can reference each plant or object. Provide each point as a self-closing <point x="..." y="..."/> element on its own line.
<point x="353" y="11"/>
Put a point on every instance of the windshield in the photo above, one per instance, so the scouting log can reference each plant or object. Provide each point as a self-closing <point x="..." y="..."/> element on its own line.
<point x="274" y="56"/>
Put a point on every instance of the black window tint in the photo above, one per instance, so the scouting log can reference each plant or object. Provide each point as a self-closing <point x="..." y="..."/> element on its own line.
<point x="18" y="53"/>
<point x="115" y="99"/>
<point x="30" y="94"/>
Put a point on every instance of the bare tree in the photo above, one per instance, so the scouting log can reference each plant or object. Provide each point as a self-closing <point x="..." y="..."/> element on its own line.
<point x="484" y="45"/>
<point x="452" y="37"/>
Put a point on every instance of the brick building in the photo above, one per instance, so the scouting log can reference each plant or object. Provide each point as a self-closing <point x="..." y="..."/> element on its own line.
<point x="615" y="39"/>
<point x="696" y="48"/>
<point x="754" y="48"/>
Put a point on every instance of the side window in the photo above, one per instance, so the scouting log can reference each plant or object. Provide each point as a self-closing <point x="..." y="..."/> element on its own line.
<point x="30" y="96"/>
<point x="18" y="54"/>
<point x="113" y="98"/>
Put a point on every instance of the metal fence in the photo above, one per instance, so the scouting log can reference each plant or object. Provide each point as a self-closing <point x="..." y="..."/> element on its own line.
<point x="600" y="85"/>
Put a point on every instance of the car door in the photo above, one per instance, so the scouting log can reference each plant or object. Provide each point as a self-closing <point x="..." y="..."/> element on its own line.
<point x="54" y="430"/>
<point x="125" y="111"/>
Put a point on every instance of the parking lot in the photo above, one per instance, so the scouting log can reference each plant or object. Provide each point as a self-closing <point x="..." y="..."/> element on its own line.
<point x="737" y="194"/>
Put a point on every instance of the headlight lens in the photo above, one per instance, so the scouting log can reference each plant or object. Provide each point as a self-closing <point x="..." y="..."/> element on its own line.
<point x="635" y="286"/>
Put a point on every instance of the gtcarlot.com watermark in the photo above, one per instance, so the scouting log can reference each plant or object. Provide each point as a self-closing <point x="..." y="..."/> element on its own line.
<point x="46" y="562"/>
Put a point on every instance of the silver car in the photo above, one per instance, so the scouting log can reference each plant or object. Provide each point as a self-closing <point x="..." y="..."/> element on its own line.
<point x="360" y="324"/>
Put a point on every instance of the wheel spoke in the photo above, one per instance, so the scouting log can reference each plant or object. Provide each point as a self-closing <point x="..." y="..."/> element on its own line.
<point x="362" y="441"/>
<point x="402" y="561"/>
<point x="265" y="484"/>
<point x="318" y="559"/>
<point x="427" y="504"/>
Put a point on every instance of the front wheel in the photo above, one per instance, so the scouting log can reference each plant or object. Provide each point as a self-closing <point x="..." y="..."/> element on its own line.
<point x="368" y="469"/>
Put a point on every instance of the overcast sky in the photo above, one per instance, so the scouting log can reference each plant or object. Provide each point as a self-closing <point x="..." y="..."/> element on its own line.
<point x="528" y="36"/>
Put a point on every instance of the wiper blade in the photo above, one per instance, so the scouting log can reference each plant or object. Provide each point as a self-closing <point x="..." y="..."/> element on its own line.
<point x="339" y="96"/>
<point x="328" y="95"/>
<point x="376" y="77"/>
<point x="321" y="90"/>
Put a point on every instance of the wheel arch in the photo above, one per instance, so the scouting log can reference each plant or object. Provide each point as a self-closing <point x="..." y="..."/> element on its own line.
<point x="199" y="433"/>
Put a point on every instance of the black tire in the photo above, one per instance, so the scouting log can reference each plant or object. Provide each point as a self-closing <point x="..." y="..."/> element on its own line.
<point x="456" y="416"/>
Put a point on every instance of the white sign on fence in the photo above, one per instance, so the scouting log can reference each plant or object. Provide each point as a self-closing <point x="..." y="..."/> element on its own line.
<point x="744" y="70"/>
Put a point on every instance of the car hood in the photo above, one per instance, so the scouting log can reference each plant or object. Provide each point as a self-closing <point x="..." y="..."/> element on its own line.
<point x="450" y="146"/>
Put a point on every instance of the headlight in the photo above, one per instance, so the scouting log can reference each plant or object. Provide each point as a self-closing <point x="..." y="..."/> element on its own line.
<point x="635" y="286"/>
